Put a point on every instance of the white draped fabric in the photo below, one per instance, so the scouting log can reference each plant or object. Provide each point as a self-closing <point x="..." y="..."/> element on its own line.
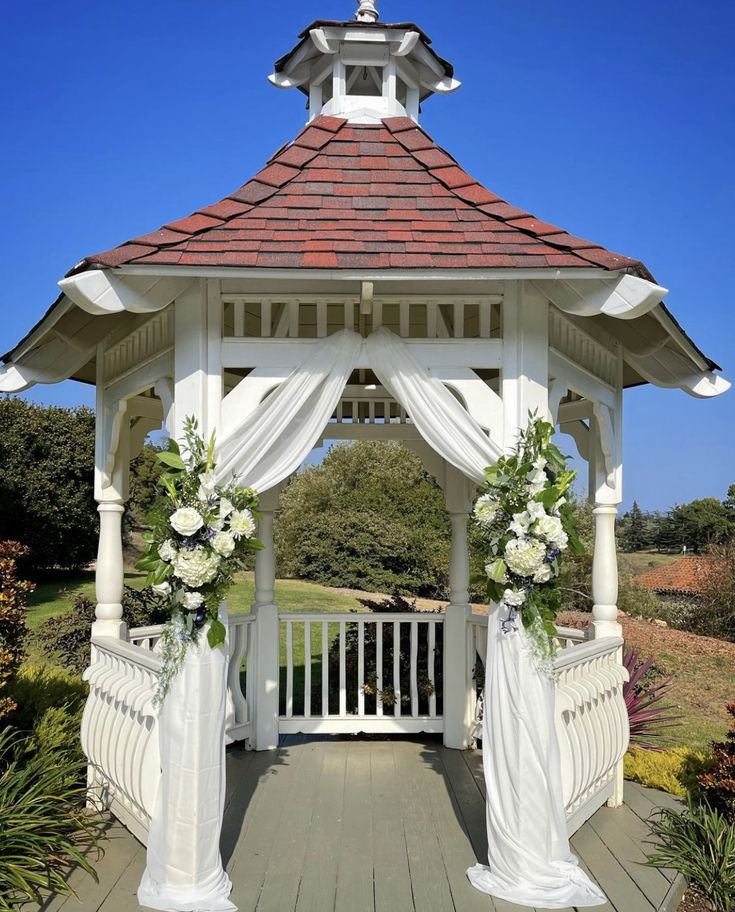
<point x="528" y="851"/>
<point x="184" y="870"/>
<point x="272" y="442"/>
<point x="439" y="417"/>
<point x="529" y="858"/>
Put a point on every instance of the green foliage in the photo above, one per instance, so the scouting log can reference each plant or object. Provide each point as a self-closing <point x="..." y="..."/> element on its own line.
<point x="13" y="630"/>
<point x="39" y="689"/>
<point x="369" y="517"/>
<point x="46" y="482"/>
<point x="145" y="471"/>
<point x="718" y="784"/>
<point x="66" y="637"/>
<point x="674" y="770"/>
<point x="636" y="534"/>
<point x="700" y="844"/>
<point x="46" y="827"/>
<point x="714" y="613"/>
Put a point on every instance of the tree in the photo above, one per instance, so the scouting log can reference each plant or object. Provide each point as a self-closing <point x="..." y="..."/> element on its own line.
<point x="369" y="517"/>
<point x="13" y="630"/>
<point x="46" y="482"/>
<point x="701" y="523"/>
<point x="634" y="536"/>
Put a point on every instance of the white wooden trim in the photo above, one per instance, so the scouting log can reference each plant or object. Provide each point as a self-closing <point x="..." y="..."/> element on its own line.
<point x="353" y="725"/>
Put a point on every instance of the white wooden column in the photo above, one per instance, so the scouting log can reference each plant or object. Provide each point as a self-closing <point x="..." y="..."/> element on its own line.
<point x="458" y="663"/>
<point x="266" y="667"/>
<point x="111" y="476"/>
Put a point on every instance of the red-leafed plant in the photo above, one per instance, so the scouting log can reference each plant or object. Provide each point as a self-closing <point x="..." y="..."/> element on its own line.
<point x="649" y="721"/>
<point x="718" y="786"/>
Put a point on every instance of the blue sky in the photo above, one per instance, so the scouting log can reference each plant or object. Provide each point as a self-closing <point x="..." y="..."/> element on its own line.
<point x="615" y="122"/>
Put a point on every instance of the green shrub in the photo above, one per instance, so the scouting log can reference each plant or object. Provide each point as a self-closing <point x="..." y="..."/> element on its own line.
<point x="46" y="482"/>
<point x="46" y="827"/>
<point x="369" y="517"/>
<point x="674" y="771"/>
<point x="700" y="844"/>
<point x="13" y="630"/>
<point x="67" y="636"/>
<point x="38" y="689"/>
<point x="718" y="784"/>
<point x="58" y="730"/>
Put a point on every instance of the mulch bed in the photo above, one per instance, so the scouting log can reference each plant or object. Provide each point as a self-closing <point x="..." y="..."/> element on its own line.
<point x="694" y="901"/>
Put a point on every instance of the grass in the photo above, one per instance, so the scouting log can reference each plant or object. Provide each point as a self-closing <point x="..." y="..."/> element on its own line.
<point x="638" y="562"/>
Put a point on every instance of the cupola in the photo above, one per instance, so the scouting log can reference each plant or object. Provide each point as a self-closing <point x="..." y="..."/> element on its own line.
<point x="364" y="70"/>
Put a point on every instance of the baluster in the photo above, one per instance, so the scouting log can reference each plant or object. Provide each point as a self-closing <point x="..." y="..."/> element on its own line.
<point x="404" y="318"/>
<point x="289" y="669"/>
<point x="379" y="668"/>
<point x="432" y="668"/>
<point x="361" y="668"/>
<point x="414" y="668"/>
<point x="307" y="669"/>
<point x="397" y="667"/>
<point x="342" y="666"/>
<point x="325" y="669"/>
<point x="239" y="318"/>
<point x="321" y="319"/>
<point x="349" y="315"/>
<point x="431" y="319"/>
<point x="459" y="319"/>
<point x="265" y="318"/>
<point x="371" y="411"/>
<point x="484" y="309"/>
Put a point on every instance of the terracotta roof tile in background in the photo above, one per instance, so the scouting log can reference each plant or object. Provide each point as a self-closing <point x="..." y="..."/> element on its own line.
<point x="347" y="196"/>
<point x="686" y="575"/>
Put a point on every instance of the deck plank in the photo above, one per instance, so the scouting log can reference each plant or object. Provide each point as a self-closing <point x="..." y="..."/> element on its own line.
<point x="286" y="861"/>
<point x="319" y="879"/>
<point x="392" y="876"/>
<point x="606" y="870"/>
<point x="124" y="896"/>
<point x="612" y="827"/>
<point x="355" y="891"/>
<point x="250" y="856"/>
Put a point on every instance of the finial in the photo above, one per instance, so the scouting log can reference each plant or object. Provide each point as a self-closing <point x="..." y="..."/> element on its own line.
<point x="367" y="11"/>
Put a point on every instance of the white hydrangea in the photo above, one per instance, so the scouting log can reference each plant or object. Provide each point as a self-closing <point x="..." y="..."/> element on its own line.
<point x="514" y="598"/>
<point x="223" y="543"/>
<point x="196" y="567"/>
<point x="535" y="510"/>
<point x="192" y="600"/>
<point x="524" y="556"/>
<point x="486" y="509"/>
<point x="167" y="551"/>
<point x="543" y="574"/>
<point x="551" y="529"/>
<point x="242" y="524"/>
<point x="186" y="521"/>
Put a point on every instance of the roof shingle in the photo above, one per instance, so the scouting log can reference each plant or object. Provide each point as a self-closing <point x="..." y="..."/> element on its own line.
<point x="348" y="196"/>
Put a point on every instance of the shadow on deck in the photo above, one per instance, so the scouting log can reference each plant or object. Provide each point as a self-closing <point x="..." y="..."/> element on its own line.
<point x="346" y="825"/>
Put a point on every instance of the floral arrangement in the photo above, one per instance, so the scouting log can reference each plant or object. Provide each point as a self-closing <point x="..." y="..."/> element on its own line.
<point x="526" y="521"/>
<point x="199" y="535"/>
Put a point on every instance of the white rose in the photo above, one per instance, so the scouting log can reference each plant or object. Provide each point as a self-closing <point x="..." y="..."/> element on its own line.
<point x="186" y="521"/>
<point x="524" y="556"/>
<point x="543" y="574"/>
<point x="551" y="529"/>
<point x="167" y="552"/>
<point x="162" y="589"/>
<point x="192" y="600"/>
<point x="242" y="524"/>
<point x="196" y="567"/>
<point x="223" y="543"/>
<point x="514" y="598"/>
<point x="486" y="509"/>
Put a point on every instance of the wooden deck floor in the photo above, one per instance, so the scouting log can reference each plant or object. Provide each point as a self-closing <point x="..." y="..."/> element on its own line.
<point x="331" y="825"/>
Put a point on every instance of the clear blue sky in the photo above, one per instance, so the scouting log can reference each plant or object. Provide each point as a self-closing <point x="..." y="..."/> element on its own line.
<point x="614" y="121"/>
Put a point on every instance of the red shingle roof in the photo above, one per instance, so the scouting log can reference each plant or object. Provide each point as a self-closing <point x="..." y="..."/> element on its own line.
<point x="347" y="196"/>
<point x="687" y="575"/>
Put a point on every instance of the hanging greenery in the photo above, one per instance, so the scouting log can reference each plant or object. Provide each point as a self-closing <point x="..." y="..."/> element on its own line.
<point x="199" y="535"/>
<point x="527" y="524"/>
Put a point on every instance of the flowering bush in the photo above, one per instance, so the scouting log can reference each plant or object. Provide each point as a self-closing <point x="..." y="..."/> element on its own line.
<point x="198" y="537"/>
<point x="524" y="518"/>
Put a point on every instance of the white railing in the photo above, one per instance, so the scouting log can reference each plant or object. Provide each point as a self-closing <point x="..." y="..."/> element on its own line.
<point x="239" y="716"/>
<point x="591" y="724"/>
<point x="120" y="731"/>
<point x="342" y="673"/>
<point x="591" y="717"/>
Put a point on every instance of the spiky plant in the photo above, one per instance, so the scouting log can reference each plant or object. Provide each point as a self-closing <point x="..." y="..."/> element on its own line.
<point x="650" y="719"/>
<point x="46" y="830"/>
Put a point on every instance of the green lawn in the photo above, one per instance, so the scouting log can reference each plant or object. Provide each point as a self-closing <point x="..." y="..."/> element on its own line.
<point x="638" y="562"/>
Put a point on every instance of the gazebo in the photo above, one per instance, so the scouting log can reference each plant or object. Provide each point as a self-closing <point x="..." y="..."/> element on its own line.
<point x="360" y="247"/>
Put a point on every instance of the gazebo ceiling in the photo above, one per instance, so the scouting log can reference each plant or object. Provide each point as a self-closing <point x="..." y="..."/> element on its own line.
<point x="352" y="196"/>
